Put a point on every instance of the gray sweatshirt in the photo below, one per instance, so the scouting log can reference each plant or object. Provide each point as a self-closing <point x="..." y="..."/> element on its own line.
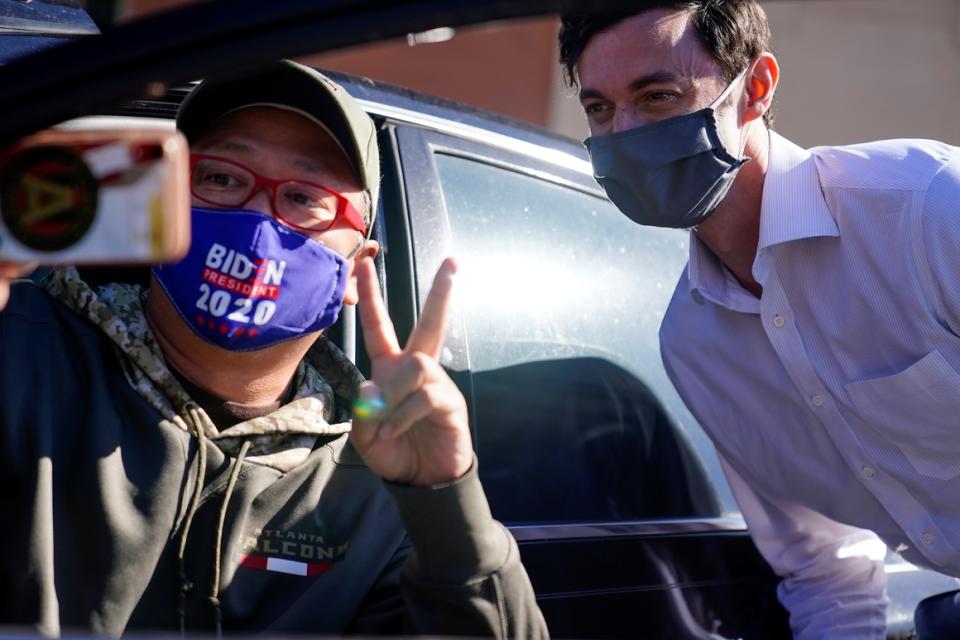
<point x="125" y="508"/>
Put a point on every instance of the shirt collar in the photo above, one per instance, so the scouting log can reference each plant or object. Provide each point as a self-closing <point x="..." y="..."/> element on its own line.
<point x="793" y="208"/>
<point x="709" y="279"/>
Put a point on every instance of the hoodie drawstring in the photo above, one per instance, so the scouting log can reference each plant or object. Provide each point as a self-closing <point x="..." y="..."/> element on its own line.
<point x="214" y="599"/>
<point x="185" y="585"/>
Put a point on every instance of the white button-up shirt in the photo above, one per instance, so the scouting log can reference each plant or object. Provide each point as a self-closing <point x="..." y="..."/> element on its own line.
<point x="835" y="397"/>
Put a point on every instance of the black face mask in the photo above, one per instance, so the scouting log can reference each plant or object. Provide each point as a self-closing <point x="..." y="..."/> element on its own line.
<point x="672" y="173"/>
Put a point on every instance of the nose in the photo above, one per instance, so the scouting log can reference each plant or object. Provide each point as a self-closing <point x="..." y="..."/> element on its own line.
<point x="261" y="201"/>
<point x="625" y="117"/>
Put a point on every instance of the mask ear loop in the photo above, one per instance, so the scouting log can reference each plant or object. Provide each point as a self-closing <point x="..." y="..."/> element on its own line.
<point x="723" y="96"/>
<point x="726" y="92"/>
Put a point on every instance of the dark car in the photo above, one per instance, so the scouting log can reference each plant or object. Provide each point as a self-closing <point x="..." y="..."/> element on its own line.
<point x="625" y="523"/>
<point x="29" y="27"/>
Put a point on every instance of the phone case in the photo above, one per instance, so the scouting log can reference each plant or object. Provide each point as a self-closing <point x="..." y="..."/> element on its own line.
<point x="98" y="196"/>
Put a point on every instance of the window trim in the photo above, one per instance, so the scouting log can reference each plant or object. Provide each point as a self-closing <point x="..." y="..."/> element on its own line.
<point x="618" y="529"/>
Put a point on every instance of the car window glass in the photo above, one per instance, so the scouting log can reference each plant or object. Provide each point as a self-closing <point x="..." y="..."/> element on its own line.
<point x="563" y="298"/>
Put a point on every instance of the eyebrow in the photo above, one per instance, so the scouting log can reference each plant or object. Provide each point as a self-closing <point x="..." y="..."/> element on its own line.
<point x="228" y="145"/>
<point x="239" y="147"/>
<point x="657" y="77"/>
<point x="307" y="166"/>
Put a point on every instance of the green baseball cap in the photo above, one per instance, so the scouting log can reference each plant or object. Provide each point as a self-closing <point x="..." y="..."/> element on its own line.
<point x="287" y="84"/>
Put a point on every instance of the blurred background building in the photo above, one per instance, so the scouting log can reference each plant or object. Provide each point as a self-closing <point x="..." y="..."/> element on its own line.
<point x="852" y="70"/>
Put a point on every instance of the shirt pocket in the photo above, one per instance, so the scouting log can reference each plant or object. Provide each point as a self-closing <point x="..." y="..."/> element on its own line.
<point x="918" y="410"/>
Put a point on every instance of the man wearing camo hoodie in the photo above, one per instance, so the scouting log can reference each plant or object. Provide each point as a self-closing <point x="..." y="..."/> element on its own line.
<point x="182" y="454"/>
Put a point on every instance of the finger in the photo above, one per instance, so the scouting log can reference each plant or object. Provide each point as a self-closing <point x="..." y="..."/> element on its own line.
<point x="379" y="336"/>
<point x="369" y="405"/>
<point x="412" y="410"/>
<point x="367" y="411"/>
<point x="10" y="270"/>
<point x="438" y="402"/>
<point x="412" y="372"/>
<point x="427" y="336"/>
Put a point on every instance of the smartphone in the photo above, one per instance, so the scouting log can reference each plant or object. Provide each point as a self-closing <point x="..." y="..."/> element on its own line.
<point x="95" y="196"/>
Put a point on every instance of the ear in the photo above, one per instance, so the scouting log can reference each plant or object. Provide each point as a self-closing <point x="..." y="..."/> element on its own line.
<point x="370" y="249"/>
<point x="761" y="84"/>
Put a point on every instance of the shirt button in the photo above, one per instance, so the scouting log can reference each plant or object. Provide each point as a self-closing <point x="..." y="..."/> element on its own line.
<point x="927" y="538"/>
<point x="867" y="472"/>
<point x="818" y="400"/>
<point x="778" y="322"/>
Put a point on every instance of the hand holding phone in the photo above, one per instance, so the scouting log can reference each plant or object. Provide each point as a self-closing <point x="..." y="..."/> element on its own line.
<point x="8" y="272"/>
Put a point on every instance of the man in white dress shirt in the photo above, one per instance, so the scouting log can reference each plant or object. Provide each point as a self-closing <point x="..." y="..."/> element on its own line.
<point x="814" y="333"/>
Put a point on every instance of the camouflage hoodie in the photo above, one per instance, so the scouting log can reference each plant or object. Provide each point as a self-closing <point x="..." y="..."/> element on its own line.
<point x="325" y="381"/>
<point x="125" y="508"/>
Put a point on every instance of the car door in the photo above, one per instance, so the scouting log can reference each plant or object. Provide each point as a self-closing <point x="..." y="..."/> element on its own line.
<point x="585" y="452"/>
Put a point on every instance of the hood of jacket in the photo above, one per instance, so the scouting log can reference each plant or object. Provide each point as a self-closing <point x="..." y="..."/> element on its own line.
<point x="325" y="382"/>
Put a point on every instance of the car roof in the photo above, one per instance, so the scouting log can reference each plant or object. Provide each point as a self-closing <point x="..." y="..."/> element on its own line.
<point x="212" y="38"/>
<point x="29" y="27"/>
<point x="385" y="100"/>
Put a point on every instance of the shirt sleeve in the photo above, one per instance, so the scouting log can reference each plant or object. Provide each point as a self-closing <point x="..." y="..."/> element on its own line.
<point x="941" y="241"/>
<point x="464" y="576"/>
<point x="833" y="584"/>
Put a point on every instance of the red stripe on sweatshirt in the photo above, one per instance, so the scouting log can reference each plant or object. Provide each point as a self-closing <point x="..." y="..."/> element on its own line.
<point x="253" y="562"/>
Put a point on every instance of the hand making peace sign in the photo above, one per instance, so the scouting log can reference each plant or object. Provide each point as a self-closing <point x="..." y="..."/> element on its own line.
<point x="421" y="436"/>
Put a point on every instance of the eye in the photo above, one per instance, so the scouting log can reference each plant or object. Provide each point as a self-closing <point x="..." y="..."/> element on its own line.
<point x="660" y="98"/>
<point x="223" y="180"/>
<point x="594" y="107"/>
<point x="221" y="177"/>
<point x="660" y="101"/>
<point x="597" y="111"/>
<point x="304" y="197"/>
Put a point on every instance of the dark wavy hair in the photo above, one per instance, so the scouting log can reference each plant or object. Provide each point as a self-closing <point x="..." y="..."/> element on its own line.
<point x="734" y="32"/>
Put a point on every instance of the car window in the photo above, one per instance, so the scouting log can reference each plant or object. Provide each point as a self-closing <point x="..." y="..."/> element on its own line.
<point x="562" y="299"/>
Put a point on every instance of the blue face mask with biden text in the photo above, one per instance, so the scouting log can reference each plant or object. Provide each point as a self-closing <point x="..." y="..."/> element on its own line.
<point x="672" y="173"/>
<point x="249" y="282"/>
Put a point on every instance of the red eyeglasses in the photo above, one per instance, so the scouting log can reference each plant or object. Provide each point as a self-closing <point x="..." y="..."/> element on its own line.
<point x="302" y="205"/>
